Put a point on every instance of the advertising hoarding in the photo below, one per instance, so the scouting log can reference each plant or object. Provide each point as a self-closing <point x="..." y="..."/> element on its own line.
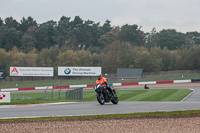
<point x="32" y="71"/>
<point x="4" y="97"/>
<point x="2" y="74"/>
<point x="78" y="71"/>
<point x="129" y="73"/>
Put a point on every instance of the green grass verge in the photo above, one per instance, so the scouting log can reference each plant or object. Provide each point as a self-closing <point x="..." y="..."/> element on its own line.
<point x="145" y="95"/>
<point x="146" y="114"/>
<point x="123" y="95"/>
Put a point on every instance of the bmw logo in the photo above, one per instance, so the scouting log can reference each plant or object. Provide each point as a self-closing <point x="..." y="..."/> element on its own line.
<point x="67" y="71"/>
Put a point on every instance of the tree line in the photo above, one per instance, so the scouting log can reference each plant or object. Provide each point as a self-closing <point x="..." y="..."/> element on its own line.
<point x="86" y="43"/>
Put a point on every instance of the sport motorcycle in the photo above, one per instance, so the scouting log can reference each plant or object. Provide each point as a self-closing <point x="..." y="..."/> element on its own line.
<point x="104" y="95"/>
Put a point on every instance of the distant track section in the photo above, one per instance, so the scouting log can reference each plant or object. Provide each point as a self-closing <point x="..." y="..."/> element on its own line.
<point x="92" y="85"/>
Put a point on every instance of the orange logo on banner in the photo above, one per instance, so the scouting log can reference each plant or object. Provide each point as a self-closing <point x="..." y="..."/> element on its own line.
<point x="14" y="70"/>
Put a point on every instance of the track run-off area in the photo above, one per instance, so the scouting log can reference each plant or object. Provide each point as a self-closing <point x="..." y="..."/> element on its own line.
<point x="191" y="102"/>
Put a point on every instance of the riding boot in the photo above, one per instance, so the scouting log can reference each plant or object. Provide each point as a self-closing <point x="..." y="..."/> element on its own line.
<point x="111" y="91"/>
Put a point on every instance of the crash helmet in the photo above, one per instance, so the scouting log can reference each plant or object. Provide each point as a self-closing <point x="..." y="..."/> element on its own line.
<point x="99" y="76"/>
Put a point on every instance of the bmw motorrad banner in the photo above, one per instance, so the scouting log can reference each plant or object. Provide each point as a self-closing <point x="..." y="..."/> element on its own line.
<point x="2" y="74"/>
<point x="32" y="71"/>
<point x="78" y="71"/>
<point x="4" y="97"/>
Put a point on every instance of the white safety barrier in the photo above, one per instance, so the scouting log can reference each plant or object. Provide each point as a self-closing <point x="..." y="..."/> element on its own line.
<point x="92" y="85"/>
<point x="148" y="82"/>
<point x="182" y="81"/>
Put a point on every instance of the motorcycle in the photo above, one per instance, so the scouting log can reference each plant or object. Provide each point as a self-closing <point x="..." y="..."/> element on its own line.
<point x="104" y="95"/>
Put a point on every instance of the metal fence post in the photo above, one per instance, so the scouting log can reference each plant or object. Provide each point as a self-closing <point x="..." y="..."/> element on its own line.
<point x="59" y="94"/>
<point x="45" y="93"/>
<point x="75" y="94"/>
<point x="52" y="94"/>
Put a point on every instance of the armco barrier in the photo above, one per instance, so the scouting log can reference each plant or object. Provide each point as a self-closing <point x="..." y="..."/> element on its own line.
<point x="58" y="87"/>
<point x="133" y="83"/>
<point x="165" y="82"/>
<point x="92" y="85"/>
<point x="149" y="83"/>
<point x="182" y="81"/>
<point x="23" y="89"/>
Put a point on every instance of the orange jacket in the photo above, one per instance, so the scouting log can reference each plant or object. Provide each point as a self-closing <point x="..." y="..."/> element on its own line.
<point x="101" y="80"/>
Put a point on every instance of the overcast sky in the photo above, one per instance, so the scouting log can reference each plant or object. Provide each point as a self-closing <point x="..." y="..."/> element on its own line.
<point x="182" y="15"/>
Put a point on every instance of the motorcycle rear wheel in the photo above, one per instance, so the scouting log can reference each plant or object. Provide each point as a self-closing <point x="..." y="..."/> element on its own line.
<point x="115" y="100"/>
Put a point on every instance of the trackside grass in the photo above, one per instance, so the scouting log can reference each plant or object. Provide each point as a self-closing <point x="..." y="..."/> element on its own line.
<point x="146" y="114"/>
<point x="146" y="95"/>
<point x="123" y="95"/>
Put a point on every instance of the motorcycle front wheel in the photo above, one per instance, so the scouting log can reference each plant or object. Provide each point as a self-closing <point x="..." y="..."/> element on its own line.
<point x="100" y="98"/>
<point x="115" y="98"/>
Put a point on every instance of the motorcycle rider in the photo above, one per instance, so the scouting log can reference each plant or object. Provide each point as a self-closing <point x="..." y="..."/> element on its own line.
<point x="104" y="82"/>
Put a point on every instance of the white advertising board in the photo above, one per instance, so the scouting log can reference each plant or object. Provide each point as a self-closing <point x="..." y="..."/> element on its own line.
<point x="32" y="71"/>
<point x="4" y="97"/>
<point x="78" y="71"/>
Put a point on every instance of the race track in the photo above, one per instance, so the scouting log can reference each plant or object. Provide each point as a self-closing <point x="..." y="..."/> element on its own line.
<point x="92" y="108"/>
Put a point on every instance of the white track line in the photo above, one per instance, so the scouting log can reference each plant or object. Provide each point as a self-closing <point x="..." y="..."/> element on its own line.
<point x="188" y="95"/>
